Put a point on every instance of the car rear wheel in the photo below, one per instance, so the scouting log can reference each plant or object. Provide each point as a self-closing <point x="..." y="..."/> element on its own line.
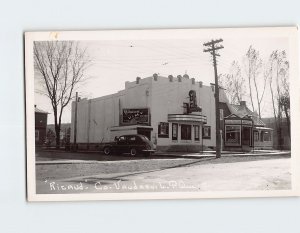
<point x="107" y="150"/>
<point x="133" y="151"/>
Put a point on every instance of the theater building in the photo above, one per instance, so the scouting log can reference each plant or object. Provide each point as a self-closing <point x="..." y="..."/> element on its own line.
<point x="176" y="113"/>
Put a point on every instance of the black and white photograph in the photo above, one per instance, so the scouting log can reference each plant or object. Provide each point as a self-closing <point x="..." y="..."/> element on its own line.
<point x="162" y="114"/>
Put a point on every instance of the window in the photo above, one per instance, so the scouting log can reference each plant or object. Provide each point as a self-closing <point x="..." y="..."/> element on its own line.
<point x="174" y="131"/>
<point x="163" y="130"/>
<point x="206" y="133"/>
<point x="132" y="139"/>
<point x="267" y="136"/>
<point x="186" y="132"/>
<point x="197" y="132"/>
<point x="121" y="139"/>
<point x="233" y="135"/>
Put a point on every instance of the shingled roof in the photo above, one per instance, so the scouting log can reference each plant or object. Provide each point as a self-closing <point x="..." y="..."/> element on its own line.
<point x="243" y="111"/>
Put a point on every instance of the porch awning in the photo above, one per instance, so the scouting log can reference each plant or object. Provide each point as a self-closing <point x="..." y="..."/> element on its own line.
<point x="188" y="118"/>
<point x="263" y="128"/>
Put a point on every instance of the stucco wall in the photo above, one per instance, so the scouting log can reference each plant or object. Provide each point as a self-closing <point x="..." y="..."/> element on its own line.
<point x="94" y="122"/>
<point x="168" y="98"/>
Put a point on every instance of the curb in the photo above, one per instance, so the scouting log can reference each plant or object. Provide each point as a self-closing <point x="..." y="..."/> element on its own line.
<point x="162" y="155"/>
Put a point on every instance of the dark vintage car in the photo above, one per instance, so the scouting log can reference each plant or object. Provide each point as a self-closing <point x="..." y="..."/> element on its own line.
<point x="133" y="144"/>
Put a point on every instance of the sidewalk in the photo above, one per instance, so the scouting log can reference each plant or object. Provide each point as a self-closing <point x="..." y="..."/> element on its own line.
<point x="179" y="155"/>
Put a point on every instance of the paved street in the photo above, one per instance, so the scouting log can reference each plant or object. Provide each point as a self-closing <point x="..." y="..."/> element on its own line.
<point x="159" y="174"/>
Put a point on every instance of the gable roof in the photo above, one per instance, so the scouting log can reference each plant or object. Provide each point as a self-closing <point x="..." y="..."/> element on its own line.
<point x="37" y="110"/>
<point x="242" y="111"/>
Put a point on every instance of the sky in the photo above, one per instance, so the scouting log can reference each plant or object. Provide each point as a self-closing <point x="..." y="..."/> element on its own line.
<point x="113" y="62"/>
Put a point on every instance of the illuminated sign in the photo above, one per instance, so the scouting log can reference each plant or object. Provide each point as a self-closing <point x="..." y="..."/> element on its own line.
<point x="135" y="116"/>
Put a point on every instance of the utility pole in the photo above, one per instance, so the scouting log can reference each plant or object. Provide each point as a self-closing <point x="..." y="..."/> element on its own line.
<point x="212" y="48"/>
<point x="75" y="123"/>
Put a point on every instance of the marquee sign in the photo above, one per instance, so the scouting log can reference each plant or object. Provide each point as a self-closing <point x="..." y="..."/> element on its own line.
<point x="135" y="116"/>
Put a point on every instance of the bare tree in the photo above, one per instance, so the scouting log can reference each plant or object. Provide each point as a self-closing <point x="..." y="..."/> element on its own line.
<point x="234" y="83"/>
<point x="284" y="98"/>
<point x="248" y="69"/>
<point x="61" y="65"/>
<point x="279" y="88"/>
<point x="253" y="69"/>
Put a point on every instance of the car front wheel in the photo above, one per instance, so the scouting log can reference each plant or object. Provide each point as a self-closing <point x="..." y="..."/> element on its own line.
<point x="107" y="150"/>
<point x="133" y="151"/>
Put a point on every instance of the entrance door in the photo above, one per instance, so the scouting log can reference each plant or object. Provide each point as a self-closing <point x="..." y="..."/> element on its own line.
<point x="246" y="136"/>
<point x="145" y="132"/>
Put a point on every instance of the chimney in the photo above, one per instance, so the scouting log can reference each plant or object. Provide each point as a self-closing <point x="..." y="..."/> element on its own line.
<point x="170" y="78"/>
<point x="200" y="84"/>
<point x="137" y="80"/>
<point x="193" y="80"/>
<point x="155" y="77"/>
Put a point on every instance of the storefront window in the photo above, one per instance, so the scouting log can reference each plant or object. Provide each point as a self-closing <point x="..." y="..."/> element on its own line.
<point x="197" y="132"/>
<point x="206" y="133"/>
<point x="232" y="135"/>
<point x="163" y="130"/>
<point x="174" y="131"/>
<point x="186" y="132"/>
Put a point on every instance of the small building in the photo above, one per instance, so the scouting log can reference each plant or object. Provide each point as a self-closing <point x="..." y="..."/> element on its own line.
<point x="244" y="131"/>
<point x="40" y="125"/>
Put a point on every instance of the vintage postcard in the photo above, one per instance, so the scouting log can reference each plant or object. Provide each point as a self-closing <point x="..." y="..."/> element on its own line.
<point x="162" y="114"/>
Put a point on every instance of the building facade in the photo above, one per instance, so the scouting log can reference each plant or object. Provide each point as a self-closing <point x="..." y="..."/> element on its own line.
<point x="176" y="113"/>
<point x="244" y="131"/>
